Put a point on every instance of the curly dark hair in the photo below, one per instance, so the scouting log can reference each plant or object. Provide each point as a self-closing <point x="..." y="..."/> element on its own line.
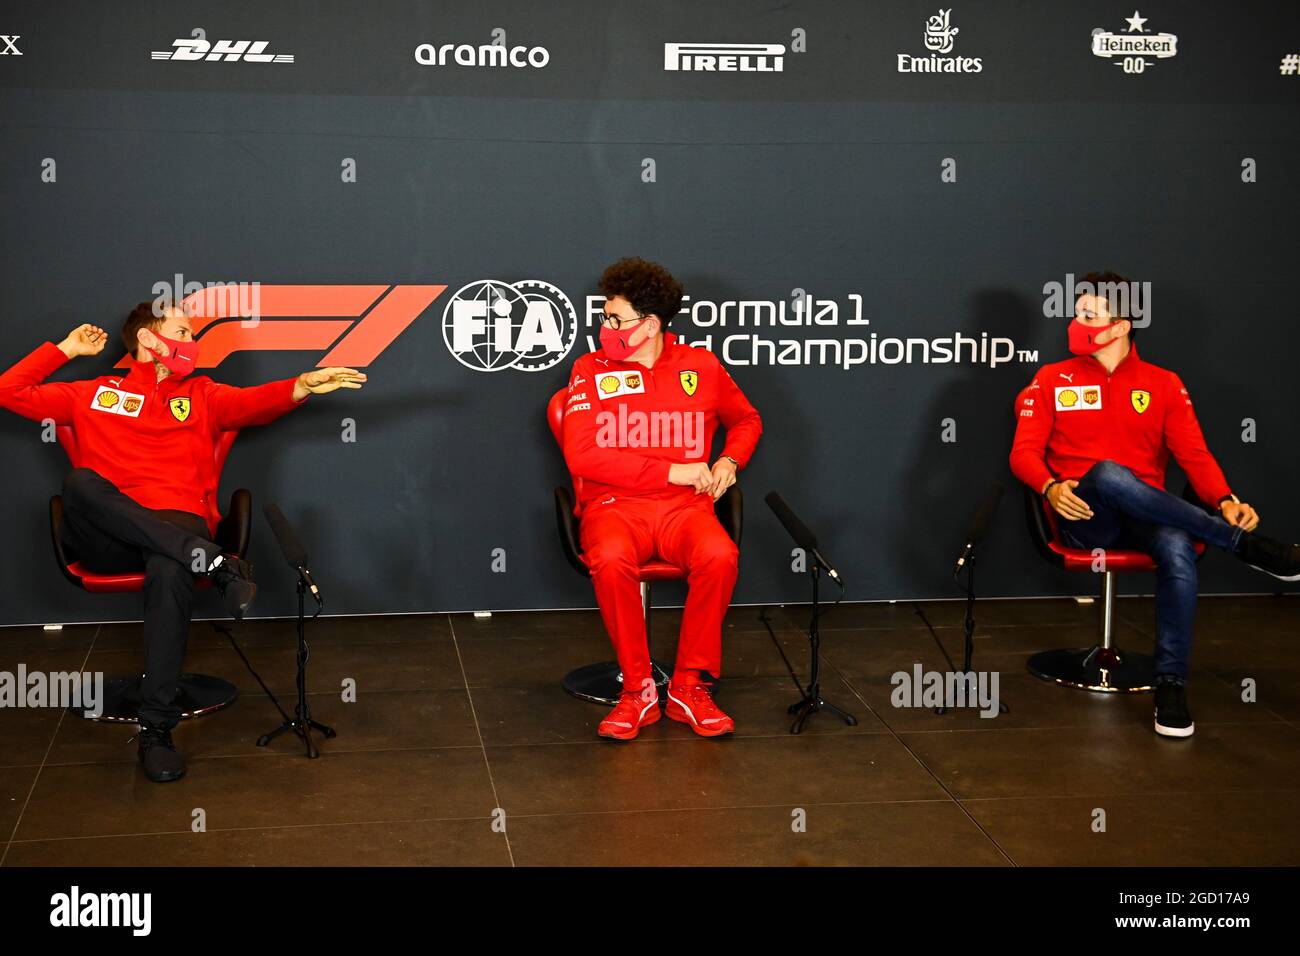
<point x="647" y="285"/>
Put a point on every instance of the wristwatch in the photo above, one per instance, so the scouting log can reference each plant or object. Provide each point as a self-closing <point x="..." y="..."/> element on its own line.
<point x="732" y="460"/>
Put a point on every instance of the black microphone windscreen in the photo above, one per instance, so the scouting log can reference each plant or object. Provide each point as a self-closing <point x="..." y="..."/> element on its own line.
<point x="979" y="524"/>
<point x="798" y="530"/>
<point x="290" y="546"/>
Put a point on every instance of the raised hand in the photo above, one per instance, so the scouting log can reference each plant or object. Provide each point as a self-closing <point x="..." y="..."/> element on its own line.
<point x="84" y="340"/>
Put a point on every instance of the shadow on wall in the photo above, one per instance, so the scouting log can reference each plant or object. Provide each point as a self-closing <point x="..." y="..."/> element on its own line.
<point x="947" y="480"/>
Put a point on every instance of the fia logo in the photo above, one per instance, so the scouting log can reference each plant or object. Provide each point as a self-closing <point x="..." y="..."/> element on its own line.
<point x="491" y="325"/>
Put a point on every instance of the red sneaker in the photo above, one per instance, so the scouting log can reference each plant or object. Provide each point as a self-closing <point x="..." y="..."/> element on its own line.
<point x="692" y="704"/>
<point x="630" y="714"/>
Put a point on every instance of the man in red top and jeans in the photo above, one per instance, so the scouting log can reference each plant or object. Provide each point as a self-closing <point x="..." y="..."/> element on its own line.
<point x="143" y="493"/>
<point x="639" y="424"/>
<point x="1093" y="435"/>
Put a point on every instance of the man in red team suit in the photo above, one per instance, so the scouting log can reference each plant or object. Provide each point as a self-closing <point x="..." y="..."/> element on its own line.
<point x="140" y="496"/>
<point x="1094" y="435"/>
<point x="639" y="425"/>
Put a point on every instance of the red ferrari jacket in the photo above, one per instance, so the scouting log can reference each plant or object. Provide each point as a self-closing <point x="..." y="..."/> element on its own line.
<point x="1073" y="415"/>
<point x="625" y="424"/>
<point x="153" y="440"/>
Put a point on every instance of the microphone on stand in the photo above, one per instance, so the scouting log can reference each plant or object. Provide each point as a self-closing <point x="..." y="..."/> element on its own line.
<point x="979" y="524"/>
<point x="802" y="536"/>
<point x="302" y="723"/>
<point x="291" y="547"/>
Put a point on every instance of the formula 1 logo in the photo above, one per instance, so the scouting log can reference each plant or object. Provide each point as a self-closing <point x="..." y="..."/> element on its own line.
<point x="351" y="324"/>
<point x="490" y="325"/>
<point x="198" y="48"/>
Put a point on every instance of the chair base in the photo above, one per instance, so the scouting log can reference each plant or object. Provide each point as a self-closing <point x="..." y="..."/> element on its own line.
<point x="602" y="683"/>
<point x="1097" y="668"/>
<point x="199" y="695"/>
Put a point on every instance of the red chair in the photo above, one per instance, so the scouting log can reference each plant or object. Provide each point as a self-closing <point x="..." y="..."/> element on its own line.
<point x="1101" y="667"/>
<point x="199" y="693"/>
<point x="603" y="682"/>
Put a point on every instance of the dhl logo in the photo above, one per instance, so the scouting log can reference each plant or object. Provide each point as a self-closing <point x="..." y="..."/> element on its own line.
<point x="351" y="324"/>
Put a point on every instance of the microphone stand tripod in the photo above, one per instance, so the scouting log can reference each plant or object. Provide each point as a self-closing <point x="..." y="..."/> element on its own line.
<point x="302" y="723"/>
<point x="812" y="700"/>
<point x="970" y="630"/>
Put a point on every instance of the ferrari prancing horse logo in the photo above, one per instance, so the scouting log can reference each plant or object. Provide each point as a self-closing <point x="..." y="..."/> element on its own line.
<point x="1141" y="400"/>
<point x="690" y="381"/>
<point x="180" y="408"/>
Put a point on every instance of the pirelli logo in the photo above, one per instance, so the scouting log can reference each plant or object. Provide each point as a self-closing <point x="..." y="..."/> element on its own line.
<point x="349" y="325"/>
<point x="724" y="57"/>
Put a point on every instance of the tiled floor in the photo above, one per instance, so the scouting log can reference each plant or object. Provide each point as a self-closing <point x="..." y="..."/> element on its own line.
<point x="460" y="724"/>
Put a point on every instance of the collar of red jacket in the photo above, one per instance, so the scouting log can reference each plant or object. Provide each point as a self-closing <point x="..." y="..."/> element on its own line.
<point x="143" y="374"/>
<point x="1128" y="364"/>
<point x="670" y="345"/>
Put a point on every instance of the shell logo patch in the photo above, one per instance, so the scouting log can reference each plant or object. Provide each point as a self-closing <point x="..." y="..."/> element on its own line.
<point x="1076" y="398"/>
<point x="690" y="381"/>
<point x="180" y="408"/>
<point x="612" y="384"/>
<point x="1141" y="400"/>
<point x="117" y="402"/>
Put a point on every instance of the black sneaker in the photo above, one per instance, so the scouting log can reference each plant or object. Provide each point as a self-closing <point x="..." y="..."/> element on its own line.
<point x="1173" y="719"/>
<point x="158" y="755"/>
<point x="1270" y="556"/>
<point x="233" y="577"/>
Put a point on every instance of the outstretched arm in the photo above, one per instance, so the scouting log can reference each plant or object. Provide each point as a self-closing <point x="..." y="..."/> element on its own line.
<point x="236" y="408"/>
<point x="321" y="381"/>
<point x="23" y="389"/>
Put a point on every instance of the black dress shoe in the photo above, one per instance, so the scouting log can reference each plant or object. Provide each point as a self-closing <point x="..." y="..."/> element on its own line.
<point x="1271" y="556"/>
<point x="233" y="577"/>
<point x="1173" y="719"/>
<point x="158" y="755"/>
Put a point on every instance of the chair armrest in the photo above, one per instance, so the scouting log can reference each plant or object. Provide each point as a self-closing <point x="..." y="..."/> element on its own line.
<point x="567" y="523"/>
<point x="236" y="527"/>
<point x="62" y="554"/>
<point x="730" y="509"/>
<point x="1039" y="529"/>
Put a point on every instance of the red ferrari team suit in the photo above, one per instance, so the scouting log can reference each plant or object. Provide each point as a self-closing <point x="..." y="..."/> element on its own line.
<point x="1113" y="433"/>
<point x="142" y="494"/>
<point x="624" y="426"/>
<point x="1073" y="415"/>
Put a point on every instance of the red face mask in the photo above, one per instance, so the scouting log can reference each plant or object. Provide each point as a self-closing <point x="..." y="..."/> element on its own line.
<point x="617" y="343"/>
<point x="1083" y="338"/>
<point x="183" y="355"/>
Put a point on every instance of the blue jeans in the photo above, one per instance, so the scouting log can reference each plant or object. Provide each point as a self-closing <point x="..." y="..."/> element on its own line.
<point x="1128" y="513"/>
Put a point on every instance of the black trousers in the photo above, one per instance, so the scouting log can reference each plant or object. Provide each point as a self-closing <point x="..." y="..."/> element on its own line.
<point x="111" y="534"/>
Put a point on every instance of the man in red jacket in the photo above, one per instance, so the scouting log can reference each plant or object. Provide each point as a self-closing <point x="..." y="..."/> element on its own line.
<point x="1094" y="434"/>
<point x="142" y="493"/>
<point x="639" y="425"/>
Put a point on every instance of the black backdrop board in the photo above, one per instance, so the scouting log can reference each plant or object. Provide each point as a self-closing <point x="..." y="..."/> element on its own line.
<point x="824" y="176"/>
